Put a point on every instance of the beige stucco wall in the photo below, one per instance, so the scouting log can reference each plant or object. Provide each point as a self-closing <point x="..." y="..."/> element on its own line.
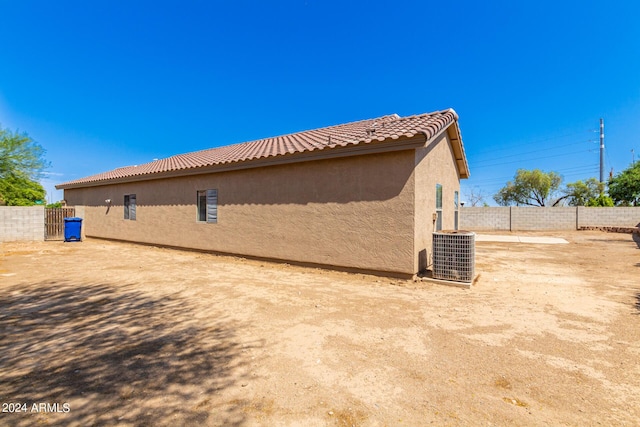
<point x="355" y="212"/>
<point x="434" y="164"/>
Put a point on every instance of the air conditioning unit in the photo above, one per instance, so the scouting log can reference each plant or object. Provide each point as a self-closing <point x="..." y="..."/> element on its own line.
<point x="454" y="255"/>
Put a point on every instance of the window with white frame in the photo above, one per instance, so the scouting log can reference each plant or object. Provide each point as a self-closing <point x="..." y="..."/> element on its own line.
<point x="208" y="206"/>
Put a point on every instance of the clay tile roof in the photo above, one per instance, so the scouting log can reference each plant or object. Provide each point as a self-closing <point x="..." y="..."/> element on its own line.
<point x="370" y="131"/>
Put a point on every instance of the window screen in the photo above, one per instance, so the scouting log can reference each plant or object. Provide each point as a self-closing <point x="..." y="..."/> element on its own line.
<point x="456" y="210"/>
<point x="208" y="206"/>
<point x="130" y="206"/>
<point x="438" y="207"/>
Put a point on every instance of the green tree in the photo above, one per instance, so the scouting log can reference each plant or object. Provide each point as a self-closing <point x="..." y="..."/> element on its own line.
<point x="20" y="155"/>
<point x="21" y="165"/>
<point x="18" y="190"/>
<point x="530" y="188"/>
<point x="601" y="201"/>
<point x="624" y="188"/>
<point x="579" y="193"/>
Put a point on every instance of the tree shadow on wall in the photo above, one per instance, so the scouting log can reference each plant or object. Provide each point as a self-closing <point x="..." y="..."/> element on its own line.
<point x="116" y="356"/>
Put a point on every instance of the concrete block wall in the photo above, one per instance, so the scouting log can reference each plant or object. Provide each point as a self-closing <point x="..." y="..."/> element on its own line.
<point x="485" y="218"/>
<point x="531" y="218"/>
<point x="560" y="218"/>
<point x="21" y="223"/>
<point x="609" y="217"/>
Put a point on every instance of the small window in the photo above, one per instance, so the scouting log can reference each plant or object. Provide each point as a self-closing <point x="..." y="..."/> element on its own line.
<point x="456" y="204"/>
<point x="438" y="207"/>
<point x="130" y="207"/>
<point x="208" y="206"/>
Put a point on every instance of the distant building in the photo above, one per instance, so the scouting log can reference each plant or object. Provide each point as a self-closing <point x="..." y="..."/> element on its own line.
<point x="362" y="196"/>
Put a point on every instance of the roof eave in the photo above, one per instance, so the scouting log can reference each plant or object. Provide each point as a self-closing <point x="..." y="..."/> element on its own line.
<point x="375" y="146"/>
<point x="453" y="131"/>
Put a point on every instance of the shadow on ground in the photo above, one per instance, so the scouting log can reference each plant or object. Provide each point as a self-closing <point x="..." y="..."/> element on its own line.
<point x="116" y="355"/>
<point x="634" y="236"/>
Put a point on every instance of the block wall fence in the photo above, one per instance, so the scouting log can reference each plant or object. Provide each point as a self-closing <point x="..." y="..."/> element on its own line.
<point x="514" y="218"/>
<point x="25" y="223"/>
<point x="21" y="223"/>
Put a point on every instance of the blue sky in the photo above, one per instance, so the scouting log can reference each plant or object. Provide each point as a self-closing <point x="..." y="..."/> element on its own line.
<point x="104" y="84"/>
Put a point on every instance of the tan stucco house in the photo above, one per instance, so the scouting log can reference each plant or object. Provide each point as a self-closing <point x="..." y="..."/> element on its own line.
<point x="363" y="196"/>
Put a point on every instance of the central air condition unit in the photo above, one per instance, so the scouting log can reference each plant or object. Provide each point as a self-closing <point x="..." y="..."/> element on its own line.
<point x="454" y="255"/>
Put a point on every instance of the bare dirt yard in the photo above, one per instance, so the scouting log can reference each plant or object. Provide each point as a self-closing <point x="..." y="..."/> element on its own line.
<point x="108" y="333"/>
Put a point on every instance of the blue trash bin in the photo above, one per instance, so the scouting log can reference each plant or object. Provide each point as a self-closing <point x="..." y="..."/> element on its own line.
<point x="72" y="229"/>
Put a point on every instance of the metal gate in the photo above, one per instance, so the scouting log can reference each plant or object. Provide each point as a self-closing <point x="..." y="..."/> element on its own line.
<point x="54" y="222"/>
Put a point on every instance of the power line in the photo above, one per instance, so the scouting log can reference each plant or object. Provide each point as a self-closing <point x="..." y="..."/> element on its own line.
<point x="609" y="159"/>
<point x="534" y="158"/>
<point x="535" y="142"/>
<point x="601" y="150"/>
<point x="591" y="166"/>
<point x="530" y="152"/>
<point x="571" y="171"/>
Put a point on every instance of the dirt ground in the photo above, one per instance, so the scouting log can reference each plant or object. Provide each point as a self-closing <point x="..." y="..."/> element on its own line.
<point x="108" y="333"/>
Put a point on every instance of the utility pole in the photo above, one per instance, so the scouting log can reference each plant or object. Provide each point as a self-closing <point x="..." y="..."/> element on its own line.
<point x="633" y="157"/>
<point x="601" y="150"/>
